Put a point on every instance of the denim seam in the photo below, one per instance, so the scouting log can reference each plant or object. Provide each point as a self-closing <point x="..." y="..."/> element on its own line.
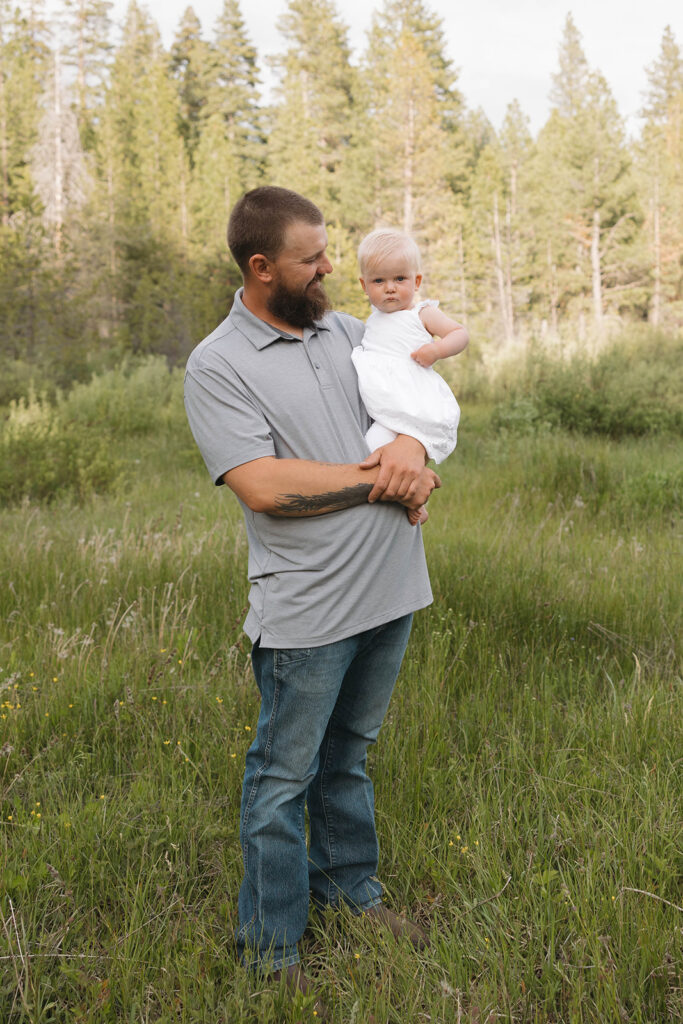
<point x="329" y="831"/>
<point x="252" y="796"/>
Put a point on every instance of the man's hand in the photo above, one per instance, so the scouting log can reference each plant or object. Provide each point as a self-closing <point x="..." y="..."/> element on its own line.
<point x="425" y="355"/>
<point x="403" y="476"/>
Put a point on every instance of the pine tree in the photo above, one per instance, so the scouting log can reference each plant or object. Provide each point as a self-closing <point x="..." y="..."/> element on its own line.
<point x="24" y="74"/>
<point x="585" y="192"/>
<point x="415" y="136"/>
<point x="309" y="139"/>
<point x="234" y="94"/>
<point x="192" y="65"/>
<point x="312" y="123"/>
<point x="660" y="161"/>
<point x="26" y="278"/>
<point x="664" y="80"/>
<point x="87" y="50"/>
<point x="570" y="82"/>
<point x="144" y="189"/>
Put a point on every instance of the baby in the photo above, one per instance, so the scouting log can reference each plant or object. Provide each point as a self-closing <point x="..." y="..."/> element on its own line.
<point x="400" y="390"/>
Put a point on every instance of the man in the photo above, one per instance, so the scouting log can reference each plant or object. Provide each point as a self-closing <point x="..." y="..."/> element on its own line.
<point x="336" y="572"/>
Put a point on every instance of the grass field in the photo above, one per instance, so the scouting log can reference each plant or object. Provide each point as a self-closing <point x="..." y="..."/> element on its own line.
<point x="528" y="776"/>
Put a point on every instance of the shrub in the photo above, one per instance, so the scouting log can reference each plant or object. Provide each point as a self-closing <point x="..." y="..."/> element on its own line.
<point x="55" y="444"/>
<point x="41" y="456"/>
<point x="635" y="387"/>
<point x="134" y="398"/>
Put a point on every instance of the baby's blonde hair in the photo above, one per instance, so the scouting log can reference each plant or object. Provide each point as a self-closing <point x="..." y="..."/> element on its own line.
<point x="384" y="242"/>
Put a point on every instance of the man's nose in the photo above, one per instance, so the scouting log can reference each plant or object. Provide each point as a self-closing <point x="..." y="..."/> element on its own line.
<point x="325" y="267"/>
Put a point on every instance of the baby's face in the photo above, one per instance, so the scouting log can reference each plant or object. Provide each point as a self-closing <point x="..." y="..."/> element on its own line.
<point x="391" y="284"/>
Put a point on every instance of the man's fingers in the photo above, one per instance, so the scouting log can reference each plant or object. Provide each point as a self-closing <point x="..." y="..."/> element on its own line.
<point x="390" y="485"/>
<point x="383" y="478"/>
<point x="372" y="460"/>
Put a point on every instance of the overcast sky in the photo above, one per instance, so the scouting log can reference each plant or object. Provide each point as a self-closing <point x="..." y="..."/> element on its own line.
<point x="504" y="49"/>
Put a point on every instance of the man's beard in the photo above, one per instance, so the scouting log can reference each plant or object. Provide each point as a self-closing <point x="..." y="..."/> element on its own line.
<point x="299" y="309"/>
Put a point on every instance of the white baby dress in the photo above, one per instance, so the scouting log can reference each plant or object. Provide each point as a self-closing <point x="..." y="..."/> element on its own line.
<point x="398" y="393"/>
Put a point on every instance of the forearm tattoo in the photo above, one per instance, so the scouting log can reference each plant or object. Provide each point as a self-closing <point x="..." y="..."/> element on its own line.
<point x="330" y="501"/>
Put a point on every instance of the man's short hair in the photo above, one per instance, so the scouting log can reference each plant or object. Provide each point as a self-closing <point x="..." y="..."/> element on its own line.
<point x="384" y="242"/>
<point x="259" y="220"/>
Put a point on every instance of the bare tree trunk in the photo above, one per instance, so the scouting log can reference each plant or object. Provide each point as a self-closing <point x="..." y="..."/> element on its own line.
<point x="184" y="217"/>
<point x="112" y="239"/>
<point x="596" y="271"/>
<point x="408" y="158"/>
<point x="58" y="178"/>
<point x="513" y="188"/>
<point x="657" y="269"/>
<point x="552" y="288"/>
<point x="500" y="275"/>
<point x="509" y="307"/>
<point x="463" y="284"/>
<point x="595" y="268"/>
<point x="4" y="155"/>
<point x="80" y="73"/>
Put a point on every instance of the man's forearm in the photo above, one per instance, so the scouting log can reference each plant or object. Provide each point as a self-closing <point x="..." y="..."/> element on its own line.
<point x="297" y="487"/>
<point x="318" y="504"/>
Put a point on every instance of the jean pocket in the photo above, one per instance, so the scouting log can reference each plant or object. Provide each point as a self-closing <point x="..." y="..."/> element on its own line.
<point x="310" y="672"/>
<point x="291" y="656"/>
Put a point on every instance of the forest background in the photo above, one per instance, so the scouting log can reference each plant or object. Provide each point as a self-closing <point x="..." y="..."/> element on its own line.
<point x="119" y="164"/>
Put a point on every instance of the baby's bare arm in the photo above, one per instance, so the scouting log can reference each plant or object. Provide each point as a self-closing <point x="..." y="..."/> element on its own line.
<point x="452" y="337"/>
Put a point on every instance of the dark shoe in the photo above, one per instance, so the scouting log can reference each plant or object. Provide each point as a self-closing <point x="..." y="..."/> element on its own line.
<point x="296" y="981"/>
<point x="399" y="926"/>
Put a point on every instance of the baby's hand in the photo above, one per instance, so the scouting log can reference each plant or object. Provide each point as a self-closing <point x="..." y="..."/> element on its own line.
<point x="425" y="355"/>
<point x="417" y="515"/>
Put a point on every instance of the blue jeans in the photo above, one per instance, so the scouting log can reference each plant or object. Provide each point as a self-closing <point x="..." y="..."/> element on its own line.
<point x="321" y="707"/>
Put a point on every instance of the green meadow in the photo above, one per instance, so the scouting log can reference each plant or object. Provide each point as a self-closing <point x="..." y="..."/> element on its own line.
<point x="528" y="776"/>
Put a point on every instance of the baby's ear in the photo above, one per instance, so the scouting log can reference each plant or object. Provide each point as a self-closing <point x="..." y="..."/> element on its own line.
<point x="362" y="284"/>
<point x="418" y="281"/>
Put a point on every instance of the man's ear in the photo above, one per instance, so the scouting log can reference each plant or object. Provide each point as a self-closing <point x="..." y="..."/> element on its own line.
<point x="261" y="267"/>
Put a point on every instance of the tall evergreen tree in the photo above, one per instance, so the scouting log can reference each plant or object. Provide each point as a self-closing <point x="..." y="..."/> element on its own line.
<point x="192" y="64"/>
<point x="222" y="119"/>
<point x="312" y="122"/>
<point x="234" y="94"/>
<point x="660" y="162"/>
<point x="87" y="50"/>
<point x="664" y="80"/>
<point x="144" y="187"/>
<point x="585" y="191"/>
<point x="309" y="139"/>
<point x="25" y="61"/>
<point x="570" y="81"/>
<point x="27" y="284"/>
<point x="415" y="136"/>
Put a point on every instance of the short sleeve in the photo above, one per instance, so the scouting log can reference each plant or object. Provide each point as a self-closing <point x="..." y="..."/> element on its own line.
<point x="426" y="302"/>
<point x="226" y="422"/>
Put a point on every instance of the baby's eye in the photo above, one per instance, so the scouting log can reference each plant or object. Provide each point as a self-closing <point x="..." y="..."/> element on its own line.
<point x="401" y="278"/>
<point x="378" y="280"/>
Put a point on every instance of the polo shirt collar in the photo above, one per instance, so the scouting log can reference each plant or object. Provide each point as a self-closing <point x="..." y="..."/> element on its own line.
<point x="259" y="333"/>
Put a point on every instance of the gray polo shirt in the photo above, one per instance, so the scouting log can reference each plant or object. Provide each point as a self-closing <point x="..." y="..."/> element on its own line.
<point x="252" y="391"/>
